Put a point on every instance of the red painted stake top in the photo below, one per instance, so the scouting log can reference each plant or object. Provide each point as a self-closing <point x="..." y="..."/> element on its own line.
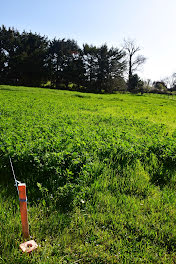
<point x="22" y="191"/>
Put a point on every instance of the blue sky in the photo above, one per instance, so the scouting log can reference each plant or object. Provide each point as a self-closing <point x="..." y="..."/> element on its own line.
<point x="150" y="22"/>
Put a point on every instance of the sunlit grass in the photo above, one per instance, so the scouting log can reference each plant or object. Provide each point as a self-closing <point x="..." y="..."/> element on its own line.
<point x="100" y="174"/>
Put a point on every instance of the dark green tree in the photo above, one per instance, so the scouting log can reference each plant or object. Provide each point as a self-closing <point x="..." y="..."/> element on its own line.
<point x="2" y="65"/>
<point x="90" y="61"/>
<point x="62" y="53"/>
<point x="31" y="59"/>
<point x="74" y="72"/>
<point x="22" y="57"/>
<point x="136" y="84"/>
<point x="111" y="65"/>
<point x="9" y="40"/>
<point x="103" y="66"/>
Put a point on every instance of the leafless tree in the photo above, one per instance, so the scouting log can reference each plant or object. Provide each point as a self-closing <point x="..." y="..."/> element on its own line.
<point x="133" y="60"/>
<point x="170" y="81"/>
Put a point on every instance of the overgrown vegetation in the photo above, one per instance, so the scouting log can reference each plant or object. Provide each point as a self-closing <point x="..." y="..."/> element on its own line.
<point x="100" y="175"/>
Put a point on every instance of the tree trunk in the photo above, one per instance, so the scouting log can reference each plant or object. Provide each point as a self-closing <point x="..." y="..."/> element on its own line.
<point x="130" y="73"/>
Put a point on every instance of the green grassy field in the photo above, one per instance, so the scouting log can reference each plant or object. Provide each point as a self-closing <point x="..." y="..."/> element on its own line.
<point x="100" y="173"/>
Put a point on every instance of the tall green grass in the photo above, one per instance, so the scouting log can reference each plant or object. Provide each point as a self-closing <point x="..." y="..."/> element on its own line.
<point x="100" y="174"/>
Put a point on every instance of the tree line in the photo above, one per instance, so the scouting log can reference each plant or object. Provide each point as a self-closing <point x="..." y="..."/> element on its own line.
<point x="30" y="59"/>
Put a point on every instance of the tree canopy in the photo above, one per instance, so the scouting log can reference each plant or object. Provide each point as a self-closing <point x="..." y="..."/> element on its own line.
<point x="33" y="60"/>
